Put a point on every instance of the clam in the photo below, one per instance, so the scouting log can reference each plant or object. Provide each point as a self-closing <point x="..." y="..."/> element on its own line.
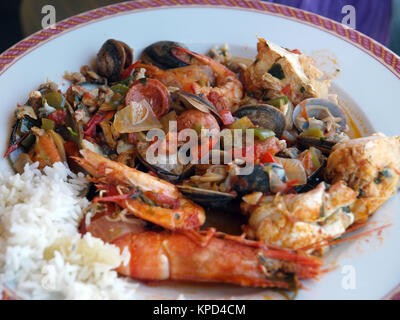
<point x="327" y="122"/>
<point x="161" y="55"/>
<point x="264" y="116"/>
<point x="113" y="57"/>
<point x="318" y="111"/>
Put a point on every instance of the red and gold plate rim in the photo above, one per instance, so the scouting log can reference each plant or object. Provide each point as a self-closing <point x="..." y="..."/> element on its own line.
<point x="380" y="53"/>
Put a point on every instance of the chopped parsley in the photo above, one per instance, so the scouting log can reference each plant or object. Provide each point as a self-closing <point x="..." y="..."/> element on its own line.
<point x="302" y="89"/>
<point x="381" y="175"/>
<point x="72" y="131"/>
<point x="346" y="209"/>
<point x="322" y="211"/>
<point x="143" y="81"/>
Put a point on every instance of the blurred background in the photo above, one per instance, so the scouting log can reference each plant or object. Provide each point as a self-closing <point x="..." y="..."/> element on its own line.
<point x="379" y="19"/>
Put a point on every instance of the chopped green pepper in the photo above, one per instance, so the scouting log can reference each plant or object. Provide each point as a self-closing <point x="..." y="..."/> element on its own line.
<point x="242" y="123"/>
<point x="278" y="102"/>
<point x="48" y="124"/>
<point x="120" y="88"/>
<point x="263" y="134"/>
<point x="313" y="132"/>
<point x="72" y="131"/>
<point x="29" y="140"/>
<point x="55" y="100"/>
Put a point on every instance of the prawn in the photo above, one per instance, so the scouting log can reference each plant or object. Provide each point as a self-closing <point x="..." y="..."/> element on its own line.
<point x="167" y="255"/>
<point x="197" y="78"/>
<point x="295" y="221"/>
<point x="142" y="194"/>
<point x="371" y="167"/>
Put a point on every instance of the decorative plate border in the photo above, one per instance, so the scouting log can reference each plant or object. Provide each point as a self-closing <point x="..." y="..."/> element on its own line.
<point x="379" y="52"/>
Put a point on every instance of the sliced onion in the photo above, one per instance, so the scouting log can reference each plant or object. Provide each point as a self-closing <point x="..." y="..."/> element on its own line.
<point x="294" y="170"/>
<point x="136" y="117"/>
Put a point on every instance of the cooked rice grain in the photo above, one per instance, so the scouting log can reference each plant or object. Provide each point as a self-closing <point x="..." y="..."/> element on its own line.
<point x="42" y="255"/>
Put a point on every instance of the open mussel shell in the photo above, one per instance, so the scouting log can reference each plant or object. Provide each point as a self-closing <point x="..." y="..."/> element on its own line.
<point x="259" y="180"/>
<point x="161" y="55"/>
<point x="20" y="128"/>
<point x="207" y="198"/>
<point x="325" y="145"/>
<point x="191" y="101"/>
<point x="264" y="116"/>
<point x="312" y="181"/>
<point x="317" y="108"/>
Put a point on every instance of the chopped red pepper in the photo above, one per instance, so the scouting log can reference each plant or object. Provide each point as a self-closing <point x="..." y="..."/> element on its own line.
<point x="15" y="146"/>
<point x="58" y="116"/>
<point x="287" y="90"/>
<point x="127" y="72"/>
<point x="295" y="51"/>
<point x="90" y="129"/>
<point x="267" y="157"/>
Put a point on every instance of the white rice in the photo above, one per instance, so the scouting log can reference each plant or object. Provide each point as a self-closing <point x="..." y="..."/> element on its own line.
<point x="42" y="254"/>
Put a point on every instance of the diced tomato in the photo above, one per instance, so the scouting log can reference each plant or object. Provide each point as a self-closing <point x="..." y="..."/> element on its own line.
<point x="266" y="149"/>
<point x="58" y="116"/>
<point x="154" y="92"/>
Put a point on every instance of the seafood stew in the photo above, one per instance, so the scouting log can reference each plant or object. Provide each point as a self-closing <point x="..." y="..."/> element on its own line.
<point x="176" y="136"/>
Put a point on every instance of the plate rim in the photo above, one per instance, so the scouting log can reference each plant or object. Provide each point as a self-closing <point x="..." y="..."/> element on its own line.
<point x="361" y="41"/>
<point x="374" y="49"/>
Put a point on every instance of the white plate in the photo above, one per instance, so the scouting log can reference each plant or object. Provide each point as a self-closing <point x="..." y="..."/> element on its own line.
<point x="368" y="84"/>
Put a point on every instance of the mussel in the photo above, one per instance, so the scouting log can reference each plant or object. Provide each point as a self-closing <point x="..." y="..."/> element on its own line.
<point x="323" y="144"/>
<point x="207" y="198"/>
<point x="22" y="136"/>
<point x="266" y="178"/>
<point x="264" y="116"/>
<point x="113" y="57"/>
<point x="161" y="54"/>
